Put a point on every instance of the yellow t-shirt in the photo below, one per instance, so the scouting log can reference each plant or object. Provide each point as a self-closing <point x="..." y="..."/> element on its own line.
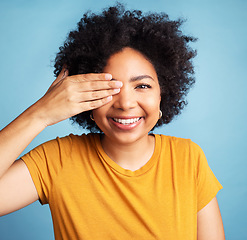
<point x="91" y="197"/>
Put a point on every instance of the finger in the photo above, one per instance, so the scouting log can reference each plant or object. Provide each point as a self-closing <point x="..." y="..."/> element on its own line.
<point x="98" y="76"/>
<point x="89" y="86"/>
<point x="95" y="95"/>
<point x="91" y="77"/>
<point x="90" y="105"/>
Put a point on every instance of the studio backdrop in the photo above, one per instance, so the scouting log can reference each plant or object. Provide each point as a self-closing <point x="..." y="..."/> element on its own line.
<point x="215" y="117"/>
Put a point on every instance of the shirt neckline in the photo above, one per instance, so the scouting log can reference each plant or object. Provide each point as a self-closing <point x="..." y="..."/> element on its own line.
<point x="104" y="157"/>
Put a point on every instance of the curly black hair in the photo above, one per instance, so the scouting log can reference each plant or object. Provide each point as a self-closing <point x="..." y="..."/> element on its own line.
<point x="99" y="36"/>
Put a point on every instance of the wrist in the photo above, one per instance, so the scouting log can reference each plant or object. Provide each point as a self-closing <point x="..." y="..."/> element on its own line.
<point x="35" y="117"/>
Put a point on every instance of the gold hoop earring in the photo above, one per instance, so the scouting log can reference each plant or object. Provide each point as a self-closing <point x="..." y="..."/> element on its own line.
<point x="160" y="114"/>
<point x="91" y="116"/>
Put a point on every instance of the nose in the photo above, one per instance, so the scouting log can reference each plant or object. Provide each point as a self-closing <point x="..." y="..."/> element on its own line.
<point x="125" y="99"/>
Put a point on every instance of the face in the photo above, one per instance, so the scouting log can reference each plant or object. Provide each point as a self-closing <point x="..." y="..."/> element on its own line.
<point x="134" y="111"/>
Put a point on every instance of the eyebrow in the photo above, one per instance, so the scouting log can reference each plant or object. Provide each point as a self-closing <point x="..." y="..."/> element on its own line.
<point x="138" y="78"/>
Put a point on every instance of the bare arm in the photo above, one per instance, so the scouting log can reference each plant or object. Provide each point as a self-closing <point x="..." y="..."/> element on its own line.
<point x="67" y="96"/>
<point x="209" y="222"/>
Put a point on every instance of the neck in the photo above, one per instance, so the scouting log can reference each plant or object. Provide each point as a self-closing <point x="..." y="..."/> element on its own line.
<point x="130" y="156"/>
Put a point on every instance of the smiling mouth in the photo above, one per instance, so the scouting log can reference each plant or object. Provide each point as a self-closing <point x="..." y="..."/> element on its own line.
<point x="126" y="121"/>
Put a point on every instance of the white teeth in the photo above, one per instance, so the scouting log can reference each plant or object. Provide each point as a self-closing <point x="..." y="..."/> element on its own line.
<point x="126" y="121"/>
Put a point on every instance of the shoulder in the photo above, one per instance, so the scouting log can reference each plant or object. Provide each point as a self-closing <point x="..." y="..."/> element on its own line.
<point x="66" y="144"/>
<point x="75" y="141"/>
<point x="181" y="149"/>
<point x="179" y="143"/>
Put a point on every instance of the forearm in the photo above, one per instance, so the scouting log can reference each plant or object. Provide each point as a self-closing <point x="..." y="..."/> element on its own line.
<point x="15" y="137"/>
<point x="67" y="96"/>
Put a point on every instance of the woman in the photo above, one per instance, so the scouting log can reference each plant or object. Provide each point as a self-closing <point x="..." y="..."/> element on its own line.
<point x="120" y="74"/>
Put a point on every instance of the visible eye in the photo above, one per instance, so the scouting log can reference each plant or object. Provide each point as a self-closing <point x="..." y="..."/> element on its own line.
<point x="143" y="86"/>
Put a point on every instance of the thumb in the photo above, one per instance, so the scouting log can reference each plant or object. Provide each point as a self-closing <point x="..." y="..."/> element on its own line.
<point x="62" y="75"/>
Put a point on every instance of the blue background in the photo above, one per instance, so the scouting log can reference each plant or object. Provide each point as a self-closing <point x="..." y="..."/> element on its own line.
<point x="31" y="33"/>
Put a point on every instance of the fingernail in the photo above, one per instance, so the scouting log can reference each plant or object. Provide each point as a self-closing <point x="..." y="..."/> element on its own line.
<point x="116" y="90"/>
<point x="108" y="76"/>
<point x="109" y="98"/>
<point x="118" y="84"/>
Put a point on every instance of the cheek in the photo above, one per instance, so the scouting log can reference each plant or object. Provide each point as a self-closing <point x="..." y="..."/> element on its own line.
<point x="151" y="103"/>
<point x="99" y="118"/>
<point x="99" y="114"/>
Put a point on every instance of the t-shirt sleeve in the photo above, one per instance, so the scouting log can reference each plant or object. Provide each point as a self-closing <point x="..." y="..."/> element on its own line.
<point x="207" y="184"/>
<point x="44" y="163"/>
